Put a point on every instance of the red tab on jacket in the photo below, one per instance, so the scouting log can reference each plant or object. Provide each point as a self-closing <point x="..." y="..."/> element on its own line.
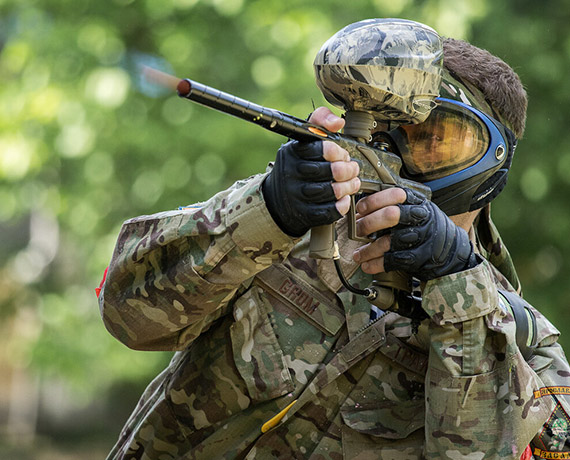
<point x="98" y="289"/>
<point x="527" y="454"/>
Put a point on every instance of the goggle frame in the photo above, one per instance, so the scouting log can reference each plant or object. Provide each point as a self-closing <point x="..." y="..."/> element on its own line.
<point x="495" y="155"/>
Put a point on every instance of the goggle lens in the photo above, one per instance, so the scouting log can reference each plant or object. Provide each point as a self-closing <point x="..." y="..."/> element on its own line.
<point x="451" y="139"/>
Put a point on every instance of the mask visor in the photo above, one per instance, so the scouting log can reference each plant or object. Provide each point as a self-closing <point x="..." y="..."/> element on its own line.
<point x="450" y="140"/>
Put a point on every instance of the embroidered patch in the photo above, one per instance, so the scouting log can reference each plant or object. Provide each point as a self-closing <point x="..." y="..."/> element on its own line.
<point x="324" y="312"/>
<point x="552" y="455"/>
<point x="553" y="442"/>
<point x="295" y="293"/>
<point x="546" y="391"/>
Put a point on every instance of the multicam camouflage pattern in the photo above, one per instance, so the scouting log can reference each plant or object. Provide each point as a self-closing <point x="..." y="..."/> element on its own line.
<point x="391" y="67"/>
<point x="258" y="326"/>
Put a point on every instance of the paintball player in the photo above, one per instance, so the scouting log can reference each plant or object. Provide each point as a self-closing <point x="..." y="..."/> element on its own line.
<point x="277" y="359"/>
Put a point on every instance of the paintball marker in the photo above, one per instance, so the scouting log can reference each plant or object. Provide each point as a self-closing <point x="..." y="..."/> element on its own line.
<point x="379" y="71"/>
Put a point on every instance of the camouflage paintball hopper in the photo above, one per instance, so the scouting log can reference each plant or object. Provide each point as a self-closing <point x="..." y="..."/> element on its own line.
<point x="391" y="67"/>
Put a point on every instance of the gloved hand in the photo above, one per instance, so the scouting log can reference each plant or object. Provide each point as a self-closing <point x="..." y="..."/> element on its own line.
<point x="298" y="191"/>
<point x="310" y="182"/>
<point x="426" y="243"/>
<point x="418" y="238"/>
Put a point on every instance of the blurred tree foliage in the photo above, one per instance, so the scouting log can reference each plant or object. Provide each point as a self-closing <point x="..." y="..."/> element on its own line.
<point x="86" y="144"/>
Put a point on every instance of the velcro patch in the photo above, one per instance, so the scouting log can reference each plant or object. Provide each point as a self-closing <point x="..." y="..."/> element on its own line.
<point x="325" y="313"/>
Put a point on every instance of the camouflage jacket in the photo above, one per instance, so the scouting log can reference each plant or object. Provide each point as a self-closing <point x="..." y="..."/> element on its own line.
<point x="275" y="360"/>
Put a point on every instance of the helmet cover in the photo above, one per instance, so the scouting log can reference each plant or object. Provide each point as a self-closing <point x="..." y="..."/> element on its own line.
<point x="390" y="67"/>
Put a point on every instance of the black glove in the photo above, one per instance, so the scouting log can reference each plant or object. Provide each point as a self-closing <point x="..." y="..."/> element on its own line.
<point x="298" y="191"/>
<point x="426" y="243"/>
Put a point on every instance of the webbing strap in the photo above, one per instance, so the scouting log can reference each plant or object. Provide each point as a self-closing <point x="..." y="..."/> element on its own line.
<point x="525" y="322"/>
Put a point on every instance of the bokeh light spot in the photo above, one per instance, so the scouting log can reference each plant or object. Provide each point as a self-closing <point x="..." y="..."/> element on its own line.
<point x="75" y="140"/>
<point x="267" y="71"/>
<point x="548" y="262"/>
<point x="15" y="157"/>
<point x="177" y="111"/>
<point x="228" y="7"/>
<point x="176" y="47"/>
<point x="286" y="33"/>
<point x="108" y="86"/>
<point x="45" y="105"/>
<point x="83" y="217"/>
<point x="176" y="172"/>
<point x="14" y="56"/>
<point x="71" y="112"/>
<point x="184" y="4"/>
<point x="99" y="168"/>
<point x="534" y="184"/>
<point x="148" y="187"/>
<point x="390" y="8"/>
<point x="210" y="169"/>
<point x="158" y="9"/>
<point x="8" y="205"/>
<point x="92" y="37"/>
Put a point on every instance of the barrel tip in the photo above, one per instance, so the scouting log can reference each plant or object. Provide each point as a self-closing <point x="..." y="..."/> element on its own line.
<point x="183" y="88"/>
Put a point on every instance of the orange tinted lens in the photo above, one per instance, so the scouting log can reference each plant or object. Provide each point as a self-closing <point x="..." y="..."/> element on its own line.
<point x="448" y="141"/>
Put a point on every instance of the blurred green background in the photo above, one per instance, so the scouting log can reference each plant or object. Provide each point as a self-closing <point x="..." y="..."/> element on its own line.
<point x="85" y="144"/>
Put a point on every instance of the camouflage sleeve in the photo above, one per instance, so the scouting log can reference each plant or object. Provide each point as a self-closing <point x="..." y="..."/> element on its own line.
<point x="173" y="273"/>
<point x="479" y="389"/>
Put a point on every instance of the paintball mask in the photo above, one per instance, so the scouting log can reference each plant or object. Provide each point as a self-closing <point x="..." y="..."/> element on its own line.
<point x="392" y="69"/>
<point x="460" y="152"/>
